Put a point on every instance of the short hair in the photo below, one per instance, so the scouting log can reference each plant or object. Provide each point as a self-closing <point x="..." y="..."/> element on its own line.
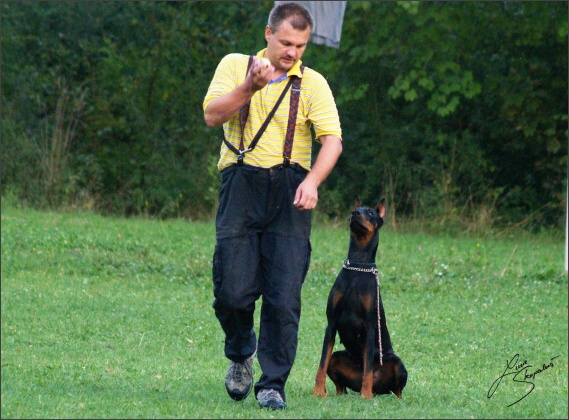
<point x="301" y="17"/>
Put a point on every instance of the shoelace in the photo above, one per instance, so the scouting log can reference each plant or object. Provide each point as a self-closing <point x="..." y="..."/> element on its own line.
<point x="236" y="372"/>
<point x="249" y="368"/>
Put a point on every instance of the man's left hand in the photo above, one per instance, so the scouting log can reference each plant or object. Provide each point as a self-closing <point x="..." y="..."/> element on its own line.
<point x="306" y="196"/>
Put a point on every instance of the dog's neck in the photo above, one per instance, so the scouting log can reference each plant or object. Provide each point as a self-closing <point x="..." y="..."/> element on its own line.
<point x="363" y="252"/>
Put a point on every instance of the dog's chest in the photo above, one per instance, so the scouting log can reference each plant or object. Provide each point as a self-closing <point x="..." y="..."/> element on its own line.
<point x="356" y="294"/>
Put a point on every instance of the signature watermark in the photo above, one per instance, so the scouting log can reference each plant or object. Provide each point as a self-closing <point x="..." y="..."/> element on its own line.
<point x="520" y="372"/>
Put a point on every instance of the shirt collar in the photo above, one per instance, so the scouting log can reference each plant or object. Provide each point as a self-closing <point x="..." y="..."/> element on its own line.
<point x="294" y="71"/>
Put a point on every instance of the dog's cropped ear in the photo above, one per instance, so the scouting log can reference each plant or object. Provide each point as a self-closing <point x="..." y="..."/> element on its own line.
<point x="358" y="202"/>
<point x="381" y="211"/>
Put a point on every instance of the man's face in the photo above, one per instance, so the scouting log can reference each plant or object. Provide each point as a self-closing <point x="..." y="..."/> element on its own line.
<point x="286" y="45"/>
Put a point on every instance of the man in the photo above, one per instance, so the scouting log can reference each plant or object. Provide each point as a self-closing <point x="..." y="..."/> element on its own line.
<point x="267" y="192"/>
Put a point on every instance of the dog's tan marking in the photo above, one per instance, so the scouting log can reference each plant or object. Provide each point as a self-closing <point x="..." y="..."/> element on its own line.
<point x="399" y="391"/>
<point x="367" y="380"/>
<point x="336" y="298"/>
<point x="367" y="301"/>
<point x="320" y="387"/>
<point x="363" y="240"/>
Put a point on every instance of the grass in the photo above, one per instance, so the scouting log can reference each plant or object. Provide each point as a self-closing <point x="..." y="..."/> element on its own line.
<point x="112" y="318"/>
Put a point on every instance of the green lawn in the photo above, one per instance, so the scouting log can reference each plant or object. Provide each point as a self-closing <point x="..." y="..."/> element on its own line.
<point x="112" y="318"/>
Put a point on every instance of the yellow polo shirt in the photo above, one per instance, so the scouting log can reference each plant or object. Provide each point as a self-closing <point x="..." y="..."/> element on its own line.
<point x="316" y="108"/>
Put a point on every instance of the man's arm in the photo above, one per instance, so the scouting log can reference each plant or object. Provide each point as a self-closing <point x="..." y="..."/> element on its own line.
<point x="306" y="196"/>
<point x="221" y="109"/>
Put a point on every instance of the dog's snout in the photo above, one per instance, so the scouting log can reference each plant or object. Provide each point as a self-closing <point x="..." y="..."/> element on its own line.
<point x="355" y="214"/>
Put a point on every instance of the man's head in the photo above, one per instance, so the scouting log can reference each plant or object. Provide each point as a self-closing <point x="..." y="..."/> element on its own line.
<point x="299" y="16"/>
<point x="287" y="33"/>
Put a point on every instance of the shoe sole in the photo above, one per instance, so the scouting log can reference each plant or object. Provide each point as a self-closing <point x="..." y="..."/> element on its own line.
<point x="238" y="396"/>
<point x="273" y="405"/>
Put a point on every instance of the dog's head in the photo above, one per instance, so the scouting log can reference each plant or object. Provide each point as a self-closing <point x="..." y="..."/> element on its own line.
<point x="366" y="221"/>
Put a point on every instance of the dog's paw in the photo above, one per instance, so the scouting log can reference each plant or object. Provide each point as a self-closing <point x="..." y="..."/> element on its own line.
<point x="366" y="395"/>
<point x="319" y="391"/>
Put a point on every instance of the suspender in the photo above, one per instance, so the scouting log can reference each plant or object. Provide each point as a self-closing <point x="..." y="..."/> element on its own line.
<point x="294" y="98"/>
<point x="244" y="113"/>
<point x="295" y="81"/>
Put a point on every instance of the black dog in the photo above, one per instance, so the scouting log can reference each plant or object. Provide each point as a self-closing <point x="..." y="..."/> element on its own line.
<point x="368" y="365"/>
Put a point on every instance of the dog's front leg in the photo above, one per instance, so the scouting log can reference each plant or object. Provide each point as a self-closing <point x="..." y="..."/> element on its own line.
<point x="327" y="348"/>
<point x="367" y="380"/>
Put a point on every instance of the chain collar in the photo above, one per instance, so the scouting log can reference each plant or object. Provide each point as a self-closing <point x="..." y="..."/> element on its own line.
<point x="363" y="270"/>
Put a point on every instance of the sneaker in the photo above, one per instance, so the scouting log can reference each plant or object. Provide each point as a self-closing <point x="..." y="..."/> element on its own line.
<point x="270" y="398"/>
<point x="239" y="379"/>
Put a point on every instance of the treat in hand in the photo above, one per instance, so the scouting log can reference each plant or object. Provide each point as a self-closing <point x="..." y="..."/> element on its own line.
<point x="264" y="62"/>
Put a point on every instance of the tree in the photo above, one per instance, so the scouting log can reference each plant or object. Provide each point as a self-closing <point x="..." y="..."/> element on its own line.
<point x="455" y="111"/>
<point x="431" y="105"/>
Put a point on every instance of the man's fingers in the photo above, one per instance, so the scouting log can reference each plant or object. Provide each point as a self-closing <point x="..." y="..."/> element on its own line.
<point x="304" y="201"/>
<point x="297" y="197"/>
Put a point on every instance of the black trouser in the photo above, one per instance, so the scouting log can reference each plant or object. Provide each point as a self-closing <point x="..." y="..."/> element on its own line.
<point x="263" y="249"/>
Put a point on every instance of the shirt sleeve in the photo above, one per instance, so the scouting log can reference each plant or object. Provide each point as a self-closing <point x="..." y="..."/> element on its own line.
<point x="224" y="79"/>
<point x="324" y="113"/>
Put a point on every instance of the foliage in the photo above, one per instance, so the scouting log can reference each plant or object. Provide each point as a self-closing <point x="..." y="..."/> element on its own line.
<point x="452" y="111"/>
<point x="111" y="318"/>
<point x="448" y="109"/>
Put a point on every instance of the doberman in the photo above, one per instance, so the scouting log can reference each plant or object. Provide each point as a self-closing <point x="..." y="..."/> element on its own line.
<point x="353" y="313"/>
